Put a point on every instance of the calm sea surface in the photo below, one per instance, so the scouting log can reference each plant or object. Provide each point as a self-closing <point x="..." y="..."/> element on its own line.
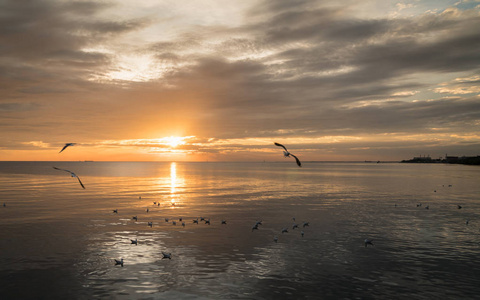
<point x="59" y="241"/>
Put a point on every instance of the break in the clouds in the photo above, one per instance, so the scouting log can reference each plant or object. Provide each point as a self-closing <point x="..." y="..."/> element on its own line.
<point x="352" y="80"/>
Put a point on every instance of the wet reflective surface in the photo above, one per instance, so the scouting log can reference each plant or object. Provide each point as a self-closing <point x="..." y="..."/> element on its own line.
<point x="60" y="241"/>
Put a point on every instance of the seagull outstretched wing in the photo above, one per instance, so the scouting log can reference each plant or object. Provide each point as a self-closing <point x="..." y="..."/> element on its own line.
<point x="280" y="145"/>
<point x="66" y="145"/>
<point x="64" y="170"/>
<point x="79" y="181"/>
<point x="298" y="161"/>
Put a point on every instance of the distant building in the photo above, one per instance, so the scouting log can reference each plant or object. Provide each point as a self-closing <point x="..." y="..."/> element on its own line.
<point x="422" y="159"/>
<point x="466" y="160"/>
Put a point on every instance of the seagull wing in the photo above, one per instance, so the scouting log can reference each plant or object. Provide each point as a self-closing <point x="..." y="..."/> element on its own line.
<point x="298" y="161"/>
<point x="64" y="147"/>
<point x="280" y="145"/>
<point x="80" y="182"/>
<point x="64" y="170"/>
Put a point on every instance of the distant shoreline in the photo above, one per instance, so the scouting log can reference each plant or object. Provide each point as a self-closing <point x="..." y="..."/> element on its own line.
<point x="463" y="160"/>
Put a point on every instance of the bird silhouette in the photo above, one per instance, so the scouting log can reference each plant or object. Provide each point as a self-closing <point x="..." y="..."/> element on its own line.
<point x="286" y="153"/>
<point x="67" y="145"/>
<point x="72" y="174"/>
<point x="368" y="242"/>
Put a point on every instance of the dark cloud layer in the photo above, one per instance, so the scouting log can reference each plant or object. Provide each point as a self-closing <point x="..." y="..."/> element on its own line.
<point x="291" y="69"/>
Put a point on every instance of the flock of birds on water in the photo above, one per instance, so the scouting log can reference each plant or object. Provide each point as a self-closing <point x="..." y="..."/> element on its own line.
<point x="286" y="153"/>
<point x="207" y="222"/>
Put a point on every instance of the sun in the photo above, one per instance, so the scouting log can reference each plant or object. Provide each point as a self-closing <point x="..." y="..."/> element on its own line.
<point x="173" y="141"/>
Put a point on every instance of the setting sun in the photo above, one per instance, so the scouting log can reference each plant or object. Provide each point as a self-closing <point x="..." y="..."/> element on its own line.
<point x="173" y="141"/>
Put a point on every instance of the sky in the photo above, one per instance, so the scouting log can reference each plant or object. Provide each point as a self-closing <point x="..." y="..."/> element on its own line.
<point x="204" y="80"/>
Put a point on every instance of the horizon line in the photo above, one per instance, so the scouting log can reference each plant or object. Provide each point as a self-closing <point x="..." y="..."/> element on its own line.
<point x="226" y="161"/>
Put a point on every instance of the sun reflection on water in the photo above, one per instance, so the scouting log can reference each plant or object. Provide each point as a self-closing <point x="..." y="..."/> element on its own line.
<point x="173" y="183"/>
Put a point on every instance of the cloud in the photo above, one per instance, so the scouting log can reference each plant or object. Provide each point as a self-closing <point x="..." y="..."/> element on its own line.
<point x="13" y="106"/>
<point x="273" y="69"/>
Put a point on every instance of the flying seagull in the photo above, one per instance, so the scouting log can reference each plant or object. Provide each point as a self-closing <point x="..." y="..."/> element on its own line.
<point x="67" y="145"/>
<point x="288" y="154"/>
<point x="72" y="174"/>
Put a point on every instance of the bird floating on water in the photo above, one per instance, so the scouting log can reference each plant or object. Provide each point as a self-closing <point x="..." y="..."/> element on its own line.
<point x="302" y="233"/>
<point x="427" y="207"/>
<point x="115" y="211"/>
<point x="135" y="218"/>
<point x="294" y="226"/>
<point x="166" y="255"/>
<point x="275" y="239"/>
<point x="207" y="222"/>
<point x="224" y="222"/>
<point x="305" y="224"/>
<point x="134" y="242"/>
<point x="284" y="230"/>
<point x="67" y="145"/>
<point x="72" y="174"/>
<point x="119" y="262"/>
<point x="195" y="221"/>
<point x="150" y="224"/>
<point x="368" y="242"/>
<point x="255" y="227"/>
<point x="288" y="154"/>
<point x="459" y="206"/>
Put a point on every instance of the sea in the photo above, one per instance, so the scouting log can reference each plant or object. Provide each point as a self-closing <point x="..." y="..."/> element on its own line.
<point x="60" y="241"/>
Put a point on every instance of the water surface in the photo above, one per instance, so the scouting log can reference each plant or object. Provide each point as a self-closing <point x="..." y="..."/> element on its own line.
<point x="58" y="240"/>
